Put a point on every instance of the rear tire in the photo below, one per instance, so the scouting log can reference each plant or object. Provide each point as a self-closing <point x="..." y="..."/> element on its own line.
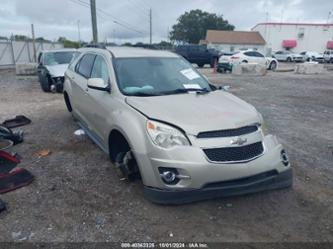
<point x="201" y="65"/>
<point x="244" y="61"/>
<point x="289" y="59"/>
<point x="68" y="102"/>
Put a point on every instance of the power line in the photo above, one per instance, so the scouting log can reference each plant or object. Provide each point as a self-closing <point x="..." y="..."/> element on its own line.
<point x="112" y="16"/>
<point x="115" y="20"/>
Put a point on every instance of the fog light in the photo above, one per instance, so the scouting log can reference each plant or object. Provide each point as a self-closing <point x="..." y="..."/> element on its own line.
<point x="284" y="158"/>
<point x="169" y="175"/>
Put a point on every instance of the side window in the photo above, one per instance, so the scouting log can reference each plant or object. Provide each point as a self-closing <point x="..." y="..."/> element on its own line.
<point x="248" y="54"/>
<point x="85" y="65"/>
<point x="100" y="69"/>
<point x="257" y="54"/>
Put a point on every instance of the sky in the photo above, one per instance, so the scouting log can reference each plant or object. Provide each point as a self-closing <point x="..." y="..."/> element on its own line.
<point x="128" y="20"/>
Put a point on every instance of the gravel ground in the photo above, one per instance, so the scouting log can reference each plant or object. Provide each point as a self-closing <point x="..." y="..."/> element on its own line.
<point x="77" y="195"/>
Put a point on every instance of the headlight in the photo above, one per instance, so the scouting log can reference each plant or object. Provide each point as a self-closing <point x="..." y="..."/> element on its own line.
<point x="263" y="126"/>
<point x="166" y="136"/>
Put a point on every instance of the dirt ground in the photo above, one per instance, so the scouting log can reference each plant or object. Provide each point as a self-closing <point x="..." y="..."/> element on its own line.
<point x="77" y="195"/>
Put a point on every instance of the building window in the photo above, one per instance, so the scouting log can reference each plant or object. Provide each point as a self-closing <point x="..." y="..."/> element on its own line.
<point x="301" y="33"/>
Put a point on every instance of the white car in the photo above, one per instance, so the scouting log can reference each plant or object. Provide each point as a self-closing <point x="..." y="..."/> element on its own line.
<point x="328" y="56"/>
<point x="288" y="56"/>
<point x="312" y="56"/>
<point x="248" y="56"/>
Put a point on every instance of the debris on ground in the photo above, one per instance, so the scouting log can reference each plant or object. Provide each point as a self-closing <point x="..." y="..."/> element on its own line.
<point x="18" y="121"/>
<point x="228" y="205"/>
<point x="79" y="132"/>
<point x="43" y="153"/>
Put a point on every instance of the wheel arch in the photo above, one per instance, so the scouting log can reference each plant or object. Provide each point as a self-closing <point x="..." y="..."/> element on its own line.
<point x="137" y="143"/>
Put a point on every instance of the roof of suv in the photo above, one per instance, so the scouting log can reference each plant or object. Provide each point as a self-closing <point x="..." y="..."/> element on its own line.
<point x="126" y="52"/>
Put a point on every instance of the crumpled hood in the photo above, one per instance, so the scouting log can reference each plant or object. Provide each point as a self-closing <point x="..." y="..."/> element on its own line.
<point x="57" y="70"/>
<point x="195" y="113"/>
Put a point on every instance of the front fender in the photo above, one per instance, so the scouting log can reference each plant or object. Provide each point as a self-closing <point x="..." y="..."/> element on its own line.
<point x="132" y="125"/>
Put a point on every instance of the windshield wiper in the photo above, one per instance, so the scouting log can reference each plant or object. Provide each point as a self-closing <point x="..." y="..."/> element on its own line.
<point x="143" y="94"/>
<point x="186" y="90"/>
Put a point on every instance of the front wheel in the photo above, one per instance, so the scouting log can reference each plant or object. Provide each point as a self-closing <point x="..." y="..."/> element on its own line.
<point x="126" y="166"/>
<point x="45" y="84"/>
<point x="273" y="66"/>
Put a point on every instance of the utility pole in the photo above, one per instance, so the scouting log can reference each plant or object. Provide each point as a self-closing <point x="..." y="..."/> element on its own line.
<point x="93" y="20"/>
<point x="150" y="26"/>
<point x="79" y="34"/>
<point x="33" y="42"/>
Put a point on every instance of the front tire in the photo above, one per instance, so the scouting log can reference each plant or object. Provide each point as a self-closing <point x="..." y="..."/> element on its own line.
<point x="273" y="66"/>
<point x="45" y="84"/>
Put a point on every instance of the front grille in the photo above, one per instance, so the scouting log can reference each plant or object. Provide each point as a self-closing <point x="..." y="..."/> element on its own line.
<point x="228" y="133"/>
<point x="234" y="154"/>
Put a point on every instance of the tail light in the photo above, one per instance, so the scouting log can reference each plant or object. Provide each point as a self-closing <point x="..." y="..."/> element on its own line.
<point x="234" y="57"/>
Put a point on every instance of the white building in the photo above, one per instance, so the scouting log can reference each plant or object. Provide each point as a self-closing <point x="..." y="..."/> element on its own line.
<point x="296" y="37"/>
<point x="230" y="41"/>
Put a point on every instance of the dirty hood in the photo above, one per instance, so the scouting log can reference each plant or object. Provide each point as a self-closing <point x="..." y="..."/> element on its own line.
<point x="196" y="113"/>
<point x="57" y="70"/>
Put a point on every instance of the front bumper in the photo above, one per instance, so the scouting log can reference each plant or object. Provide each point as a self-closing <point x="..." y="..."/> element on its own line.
<point x="261" y="182"/>
<point x="224" y="66"/>
<point x="298" y="59"/>
<point x="58" y="83"/>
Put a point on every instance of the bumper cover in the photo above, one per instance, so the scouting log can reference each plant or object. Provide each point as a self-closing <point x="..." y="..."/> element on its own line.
<point x="261" y="182"/>
<point x="224" y="66"/>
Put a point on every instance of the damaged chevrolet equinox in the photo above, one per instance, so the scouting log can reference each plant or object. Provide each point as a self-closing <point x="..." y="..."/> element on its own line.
<point x="160" y="120"/>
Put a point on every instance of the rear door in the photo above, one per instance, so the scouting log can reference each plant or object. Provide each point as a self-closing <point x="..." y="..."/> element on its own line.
<point x="249" y="57"/>
<point x="80" y="88"/>
<point x="279" y="56"/>
<point x="260" y="58"/>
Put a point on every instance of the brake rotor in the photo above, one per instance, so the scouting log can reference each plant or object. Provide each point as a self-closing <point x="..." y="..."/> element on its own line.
<point x="126" y="165"/>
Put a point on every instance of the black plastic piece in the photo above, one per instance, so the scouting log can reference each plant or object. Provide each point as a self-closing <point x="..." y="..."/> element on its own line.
<point x="6" y="133"/>
<point x="14" y="180"/>
<point x="18" y="121"/>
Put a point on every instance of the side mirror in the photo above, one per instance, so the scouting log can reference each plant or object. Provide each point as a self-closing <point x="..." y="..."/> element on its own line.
<point x="98" y="84"/>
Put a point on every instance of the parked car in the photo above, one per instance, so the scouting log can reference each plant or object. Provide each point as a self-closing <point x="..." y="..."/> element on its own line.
<point x="157" y="117"/>
<point x="52" y="65"/>
<point x="288" y="56"/>
<point x="328" y="56"/>
<point x="198" y="54"/>
<point x="312" y="56"/>
<point x="226" y="61"/>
